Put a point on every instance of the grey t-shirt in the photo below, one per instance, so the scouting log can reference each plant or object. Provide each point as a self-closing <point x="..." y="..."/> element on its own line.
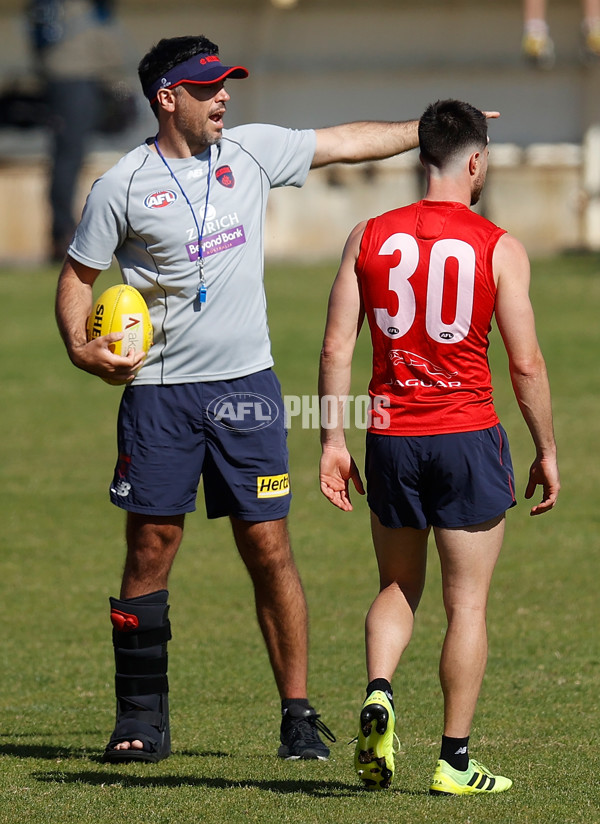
<point x="143" y="215"/>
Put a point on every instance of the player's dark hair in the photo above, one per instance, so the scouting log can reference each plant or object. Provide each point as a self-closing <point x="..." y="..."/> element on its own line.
<point x="169" y="52"/>
<point x="447" y="128"/>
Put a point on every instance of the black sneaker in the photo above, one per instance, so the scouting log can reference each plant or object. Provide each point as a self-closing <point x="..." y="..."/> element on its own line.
<point x="300" y="727"/>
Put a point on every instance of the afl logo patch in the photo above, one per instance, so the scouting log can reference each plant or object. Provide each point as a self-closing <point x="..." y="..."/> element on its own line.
<point x="158" y="200"/>
<point x="225" y="177"/>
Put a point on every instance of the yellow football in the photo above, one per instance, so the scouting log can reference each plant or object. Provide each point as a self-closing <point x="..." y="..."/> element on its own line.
<point x="122" y="308"/>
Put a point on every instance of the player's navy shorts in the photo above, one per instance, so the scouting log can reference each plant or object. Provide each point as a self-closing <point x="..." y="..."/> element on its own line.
<point x="452" y="481"/>
<point x="231" y="433"/>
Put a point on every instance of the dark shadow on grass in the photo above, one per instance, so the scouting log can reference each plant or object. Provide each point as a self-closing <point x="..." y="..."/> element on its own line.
<point x="98" y="757"/>
<point x="42" y="751"/>
<point x="50" y="753"/>
<point x="317" y="789"/>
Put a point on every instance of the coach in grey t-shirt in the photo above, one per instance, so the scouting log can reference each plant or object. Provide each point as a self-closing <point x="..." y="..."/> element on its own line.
<point x="184" y="214"/>
<point x="143" y="214"/>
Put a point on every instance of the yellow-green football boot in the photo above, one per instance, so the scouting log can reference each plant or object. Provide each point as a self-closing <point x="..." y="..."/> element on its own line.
<point x="374" y="754"/>
<point x="476" y="779"/>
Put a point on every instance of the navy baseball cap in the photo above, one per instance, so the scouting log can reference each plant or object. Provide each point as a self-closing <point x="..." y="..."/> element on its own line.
<point x="201" y="69"/>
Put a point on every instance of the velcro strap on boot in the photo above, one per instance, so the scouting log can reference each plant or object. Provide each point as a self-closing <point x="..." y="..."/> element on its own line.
<point x="126" y="685"/>
<point x="142" y="639"/>
<point x="155" y="719"/>
<point x="128" y="664"/>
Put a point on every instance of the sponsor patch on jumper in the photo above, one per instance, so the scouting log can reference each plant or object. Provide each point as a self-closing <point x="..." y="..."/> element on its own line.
<point x="419" y="363"/>
<point x="272" y="486"/>
<point x="219" y="242"/>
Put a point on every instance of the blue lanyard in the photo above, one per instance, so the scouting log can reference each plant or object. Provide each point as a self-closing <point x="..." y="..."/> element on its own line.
<point x="199" y="230"/>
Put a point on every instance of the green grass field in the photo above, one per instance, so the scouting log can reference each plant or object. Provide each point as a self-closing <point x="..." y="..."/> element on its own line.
<point x="62" y="553"/>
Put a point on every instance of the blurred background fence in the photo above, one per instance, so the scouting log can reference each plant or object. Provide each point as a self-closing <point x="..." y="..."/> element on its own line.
<point x="319" y="62"/>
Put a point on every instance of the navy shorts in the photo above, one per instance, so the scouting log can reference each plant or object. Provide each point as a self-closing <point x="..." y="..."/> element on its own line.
<point x="454" y="480"/>
<point x="231" y="433"/>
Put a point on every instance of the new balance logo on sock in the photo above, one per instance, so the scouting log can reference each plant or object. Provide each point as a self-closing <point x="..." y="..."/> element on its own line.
<point x="461" y="751"/>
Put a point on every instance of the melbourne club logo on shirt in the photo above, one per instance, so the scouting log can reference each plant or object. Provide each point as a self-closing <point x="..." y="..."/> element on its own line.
<point x="225" y="177"/>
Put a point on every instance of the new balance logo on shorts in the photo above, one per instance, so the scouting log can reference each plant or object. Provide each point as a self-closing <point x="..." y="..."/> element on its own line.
<point x="272" y="486"/>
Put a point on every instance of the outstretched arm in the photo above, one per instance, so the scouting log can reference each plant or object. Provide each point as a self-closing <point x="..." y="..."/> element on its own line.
<point x="344" y="319"/>
<point x="73" y="308"/>
<point x="516" y="323"/>
<point x="367" y="140"/>
<point x="364" y="140"/>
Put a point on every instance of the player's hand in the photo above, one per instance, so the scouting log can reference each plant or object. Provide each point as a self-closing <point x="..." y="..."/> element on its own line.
<point x="337" y="468"/>
<point x="97" y="358"/>
<point x="491" y="115"/>
<point x="544" y="473"/>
